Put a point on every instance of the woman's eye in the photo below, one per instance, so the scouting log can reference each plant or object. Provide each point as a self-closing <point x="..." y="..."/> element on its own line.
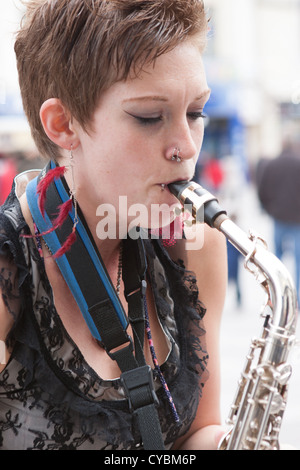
<point x="151" y="121"/>
<point x="196" y="115"/>
<point x="147" y="121"/>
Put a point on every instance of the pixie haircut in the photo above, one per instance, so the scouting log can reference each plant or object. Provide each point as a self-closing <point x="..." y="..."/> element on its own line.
<point x="73" y="50"/>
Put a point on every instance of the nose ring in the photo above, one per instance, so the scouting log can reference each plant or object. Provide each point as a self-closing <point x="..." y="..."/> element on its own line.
<point x="176" y="155"/>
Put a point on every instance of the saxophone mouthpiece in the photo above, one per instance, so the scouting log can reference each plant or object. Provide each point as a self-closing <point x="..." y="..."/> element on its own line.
<point x="178" y="187"/>
<point x="192" y="194"/>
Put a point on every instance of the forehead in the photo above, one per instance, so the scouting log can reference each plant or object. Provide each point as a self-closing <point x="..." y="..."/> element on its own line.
<point x="178" y="70"/>
<point x="184" y="61"/>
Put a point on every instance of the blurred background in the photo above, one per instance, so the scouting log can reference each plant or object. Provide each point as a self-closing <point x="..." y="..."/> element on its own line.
<point x="17" y="150"/>
<point x="253" y="69"/>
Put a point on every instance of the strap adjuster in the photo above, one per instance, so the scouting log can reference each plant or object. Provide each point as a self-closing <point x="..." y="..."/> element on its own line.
<point x="139" y="387"/>
<point x="140" y="290"/>
<point x="123" y="355"/>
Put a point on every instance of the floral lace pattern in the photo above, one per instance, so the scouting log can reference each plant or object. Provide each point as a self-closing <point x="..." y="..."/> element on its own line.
<point x="50" y="398"/>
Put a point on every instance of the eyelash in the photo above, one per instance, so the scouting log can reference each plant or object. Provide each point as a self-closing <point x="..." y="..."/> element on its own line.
<point x="148" y="121"/>
<point x="197" y="115"/>
<point x="194" y="116"/>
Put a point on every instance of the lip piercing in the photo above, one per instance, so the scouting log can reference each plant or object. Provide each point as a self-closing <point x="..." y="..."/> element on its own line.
<point x="175" y="155"/>
<point x="163" y="187"/>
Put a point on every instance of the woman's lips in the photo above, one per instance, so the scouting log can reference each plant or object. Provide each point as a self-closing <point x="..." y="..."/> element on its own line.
<point x="165" y="185"/>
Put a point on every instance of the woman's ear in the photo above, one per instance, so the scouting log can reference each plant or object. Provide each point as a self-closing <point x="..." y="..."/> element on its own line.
<point x="56" y="121"/>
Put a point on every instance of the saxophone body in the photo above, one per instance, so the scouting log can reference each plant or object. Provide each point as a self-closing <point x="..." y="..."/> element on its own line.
<point x="257" y="411"/>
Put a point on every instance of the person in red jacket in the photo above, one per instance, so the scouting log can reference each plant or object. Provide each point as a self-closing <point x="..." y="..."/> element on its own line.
<point x="7" y="174"/>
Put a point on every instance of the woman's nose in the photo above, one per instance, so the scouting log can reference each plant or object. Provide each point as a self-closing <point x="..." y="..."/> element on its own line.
<point x="182" y="146"/>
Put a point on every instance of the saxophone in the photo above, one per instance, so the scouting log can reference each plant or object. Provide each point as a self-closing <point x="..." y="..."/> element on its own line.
<point x="257" y="411"/>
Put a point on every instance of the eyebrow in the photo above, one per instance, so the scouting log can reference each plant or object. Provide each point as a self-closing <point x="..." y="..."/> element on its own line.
<point x="161" y="98"/>
<point x="204" y="94"/>
<point x="145" y="98"/>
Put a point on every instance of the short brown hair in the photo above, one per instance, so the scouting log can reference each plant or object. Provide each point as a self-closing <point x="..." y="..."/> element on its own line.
<point x="75" y="49"/>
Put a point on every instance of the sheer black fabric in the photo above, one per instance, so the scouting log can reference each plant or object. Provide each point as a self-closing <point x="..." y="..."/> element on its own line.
<point x="50" y="398"/>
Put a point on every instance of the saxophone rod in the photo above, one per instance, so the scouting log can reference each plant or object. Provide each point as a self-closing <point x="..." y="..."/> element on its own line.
<point x="284" y="299"/>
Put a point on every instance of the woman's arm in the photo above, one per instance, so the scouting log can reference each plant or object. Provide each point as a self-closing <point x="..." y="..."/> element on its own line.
<point x="209" y="263"/>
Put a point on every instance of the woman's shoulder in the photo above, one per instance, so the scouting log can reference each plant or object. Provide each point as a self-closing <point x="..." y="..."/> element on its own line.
<point x="11" y="222"/>
<point x="14" y="252"/>
<point x="15" y="218"/>
<point x="13" y="269"/>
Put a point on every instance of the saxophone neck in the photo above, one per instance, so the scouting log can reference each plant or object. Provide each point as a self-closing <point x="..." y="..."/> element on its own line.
<point x="275" y="278"/>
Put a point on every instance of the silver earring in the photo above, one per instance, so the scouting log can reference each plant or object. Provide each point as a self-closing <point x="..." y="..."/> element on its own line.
<point x="73" y="189"/>
<point x="176" y="155"/>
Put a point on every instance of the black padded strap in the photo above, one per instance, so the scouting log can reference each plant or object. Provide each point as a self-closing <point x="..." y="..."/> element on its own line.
<point x="135" y="290"/>
<point x="142" y="399"/>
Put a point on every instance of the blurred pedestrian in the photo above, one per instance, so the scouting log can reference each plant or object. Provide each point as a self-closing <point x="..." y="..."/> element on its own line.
<point x="278" y="183"/>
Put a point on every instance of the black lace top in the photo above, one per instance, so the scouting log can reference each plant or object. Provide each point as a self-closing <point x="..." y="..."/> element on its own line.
<point x="50" y="398"/>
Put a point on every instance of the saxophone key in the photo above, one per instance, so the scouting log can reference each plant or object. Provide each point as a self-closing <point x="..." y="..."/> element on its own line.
<point x="283" y="373"/>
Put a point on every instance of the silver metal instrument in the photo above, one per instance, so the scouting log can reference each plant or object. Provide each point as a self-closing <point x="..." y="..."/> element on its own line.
<point x="257" y="411"/>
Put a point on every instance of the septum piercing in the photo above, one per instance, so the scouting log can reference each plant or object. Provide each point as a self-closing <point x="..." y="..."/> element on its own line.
<point x="175" y="155"/>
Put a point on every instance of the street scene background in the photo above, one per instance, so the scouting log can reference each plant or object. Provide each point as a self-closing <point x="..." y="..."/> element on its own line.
<point x="253" y="70"/>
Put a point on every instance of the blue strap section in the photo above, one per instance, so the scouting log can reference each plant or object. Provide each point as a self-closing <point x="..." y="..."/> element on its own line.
<point x="51" y="239"/>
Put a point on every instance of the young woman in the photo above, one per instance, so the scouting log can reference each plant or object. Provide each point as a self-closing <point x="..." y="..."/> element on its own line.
<point x="114" y="92"/>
